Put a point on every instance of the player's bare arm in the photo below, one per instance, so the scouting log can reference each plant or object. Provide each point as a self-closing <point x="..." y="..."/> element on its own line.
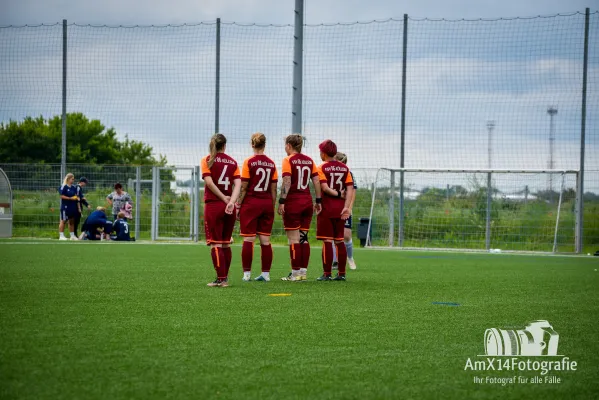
<point x="273" y="193"/>
<point x="285" y="187"/>
<point x="328" y="191"/>
<point x="349" y="194"/>
<point x="318" y="193"/>
<point x="214" y="189"/>
<point x="234" y="196"/>
<point x="243" y="192"/>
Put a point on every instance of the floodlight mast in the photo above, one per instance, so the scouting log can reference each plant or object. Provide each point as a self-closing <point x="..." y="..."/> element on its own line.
<point x="552" y="112"/>
<point x="490" y="128"/>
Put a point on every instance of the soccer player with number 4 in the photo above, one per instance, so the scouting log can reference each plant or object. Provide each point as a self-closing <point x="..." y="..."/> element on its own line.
<point x="295" y="204"/>
<point x="256" y="205"/>
<point x="222" y="186"/>
<point x="334" y="179"/>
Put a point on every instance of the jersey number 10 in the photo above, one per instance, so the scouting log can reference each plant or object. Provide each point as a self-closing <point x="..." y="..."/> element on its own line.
<point x="303" y="177"/>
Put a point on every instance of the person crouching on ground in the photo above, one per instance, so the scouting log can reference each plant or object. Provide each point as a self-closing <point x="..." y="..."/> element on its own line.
<point x="96" y="225"/>
<point x="120" y="229"/>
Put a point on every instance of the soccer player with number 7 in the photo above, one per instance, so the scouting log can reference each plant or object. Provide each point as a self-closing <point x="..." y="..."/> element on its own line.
<point x="334" y="179"/>
<point x="295" y="204"/>
<point x="222" y="185"/>
<point x="256" y="205"/>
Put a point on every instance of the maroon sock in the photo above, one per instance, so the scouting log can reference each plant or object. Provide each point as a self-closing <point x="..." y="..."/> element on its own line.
<point x="341" y="258"/>
<point x="305" y="254"/>
<point x="218" y="259"/>
<point x="247" y="255"/>
<point x="214" y="255"/>
<point x="294" y="253"/>
<point x="228" y="257"/>
<point x="266" y="257"/>
<point x="327" y="258"/>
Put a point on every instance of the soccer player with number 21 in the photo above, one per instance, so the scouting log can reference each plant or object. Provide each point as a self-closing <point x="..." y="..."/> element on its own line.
<point x="256" y="205"/>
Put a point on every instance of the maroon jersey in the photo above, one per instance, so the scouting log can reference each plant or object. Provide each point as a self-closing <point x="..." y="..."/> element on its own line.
<point x="260" y="171"/>
<point x="337" y="176"/>
<point x="301" y="169"/>
<point x="223" y="172"/>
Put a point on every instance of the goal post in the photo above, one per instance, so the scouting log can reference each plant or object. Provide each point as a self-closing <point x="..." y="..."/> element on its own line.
<point x="474" y="209"/>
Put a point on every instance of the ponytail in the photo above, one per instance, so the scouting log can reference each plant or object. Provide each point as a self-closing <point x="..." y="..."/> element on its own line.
<point x="341" y="157"/>
<point x="217" y="143"/>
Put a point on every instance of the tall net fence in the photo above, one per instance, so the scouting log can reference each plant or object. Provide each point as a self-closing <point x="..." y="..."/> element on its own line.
<point x="512" y="211"/>
<point x="153" y="84"/>
<point x="500" y="93"/>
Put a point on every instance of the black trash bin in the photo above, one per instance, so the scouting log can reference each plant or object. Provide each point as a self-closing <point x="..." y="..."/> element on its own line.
<point x="363" y="231"/>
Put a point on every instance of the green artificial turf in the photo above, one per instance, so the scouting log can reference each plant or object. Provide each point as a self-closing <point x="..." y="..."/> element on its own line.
<point x="136" y="321"/>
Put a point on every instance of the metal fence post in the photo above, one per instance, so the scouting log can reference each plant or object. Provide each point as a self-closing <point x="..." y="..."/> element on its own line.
<point x="191" y="207"/>
<point x="217" y="80"/>
<point x="155" y="196"/>
<point x="403" y="130"/>
<point x="298" y="63"/>
<point x="196" y="205"/>
<point x="137" y="199"/>
<point x="392" y="209"/>
<point x="488" y="224"/>
<point x="583" y="119"/>
<point x="63" y="158"/>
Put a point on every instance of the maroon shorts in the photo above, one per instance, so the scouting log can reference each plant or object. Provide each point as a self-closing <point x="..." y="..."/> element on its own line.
<point x="256" y="217"/>
<point x="329" y="228"/>
<point x="218" y="225"/>
<point x="298" y="214"/>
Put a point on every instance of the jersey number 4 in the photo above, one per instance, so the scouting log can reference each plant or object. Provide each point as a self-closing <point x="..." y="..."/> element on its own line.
<point x="224" y="179"/>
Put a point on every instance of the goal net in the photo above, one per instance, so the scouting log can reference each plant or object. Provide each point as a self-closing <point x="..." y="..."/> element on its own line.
<point x="496" y="210"/>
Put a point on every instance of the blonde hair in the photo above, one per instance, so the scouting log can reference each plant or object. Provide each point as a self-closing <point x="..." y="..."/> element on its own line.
<point x="66" y="178"/>
<point x="342" y="157"/>
<point x="121" y="215"/>
<point x="217" y="143"/>
<point x="296" y="141"/>
<point x="100" y="208"/>
<point x="258" y="140"/>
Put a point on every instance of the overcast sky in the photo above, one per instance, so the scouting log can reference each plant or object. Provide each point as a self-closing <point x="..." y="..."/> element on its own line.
<point x="269" y="11"/>
<point x="156" y="84"/>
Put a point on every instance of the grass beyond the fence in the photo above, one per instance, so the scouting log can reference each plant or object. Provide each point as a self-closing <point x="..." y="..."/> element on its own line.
<point x="434" y="223"/>
<point x="136" y="321"/>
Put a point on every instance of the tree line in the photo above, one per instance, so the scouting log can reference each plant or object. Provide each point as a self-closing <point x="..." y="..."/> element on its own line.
<point x="39" y="140"/>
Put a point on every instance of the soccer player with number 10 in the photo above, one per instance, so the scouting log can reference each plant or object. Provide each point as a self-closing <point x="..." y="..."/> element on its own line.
<point x="295" y="204"/>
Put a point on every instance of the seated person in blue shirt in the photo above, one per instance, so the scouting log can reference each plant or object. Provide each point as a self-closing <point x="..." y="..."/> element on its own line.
<point x="96" y="225"/>
<point x="120" y="229"/>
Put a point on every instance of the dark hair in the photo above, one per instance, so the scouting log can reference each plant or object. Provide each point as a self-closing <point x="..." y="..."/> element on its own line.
<point x="258" y="140"/>
<point x="83" y="179"/>
<point x="342" y="157"/>
<point x="217" y="143"/>
<point x="328" y="147"/>
<point x="117" y="186"/>
<point x="296" y="141"/>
